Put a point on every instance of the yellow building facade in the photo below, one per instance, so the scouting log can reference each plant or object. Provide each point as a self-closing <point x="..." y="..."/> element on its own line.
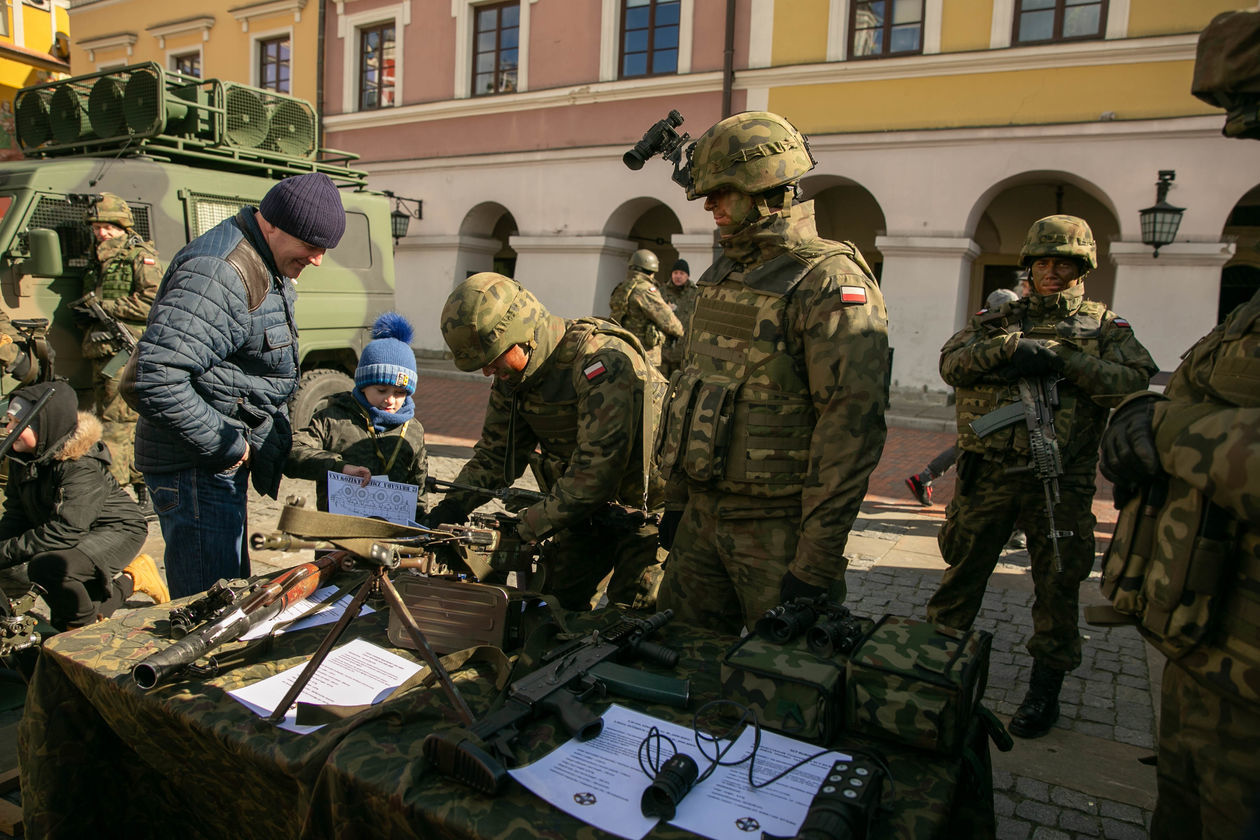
<point x="271" y="44"/>
<point x="33" y="49"/>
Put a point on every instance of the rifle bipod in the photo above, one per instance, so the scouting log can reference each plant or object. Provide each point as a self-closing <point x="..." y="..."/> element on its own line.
<point x="381" y="561"/>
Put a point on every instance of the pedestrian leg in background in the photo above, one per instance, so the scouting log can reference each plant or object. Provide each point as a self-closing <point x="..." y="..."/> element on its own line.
<point x="920" y="485"/>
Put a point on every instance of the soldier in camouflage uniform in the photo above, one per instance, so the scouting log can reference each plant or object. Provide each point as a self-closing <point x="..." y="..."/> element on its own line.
<point x="575" y="390"/>
<point x="637" y="305"/>
<point x="1198" y="447"/>
<point x="776" y="420"/>
<point x="1054" y="332"/>
<point x="124" y="273"/>
<point x="680" y="295"/>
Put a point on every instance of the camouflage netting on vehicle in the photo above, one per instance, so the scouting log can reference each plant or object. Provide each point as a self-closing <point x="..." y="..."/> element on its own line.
<point x="186" y="760"/>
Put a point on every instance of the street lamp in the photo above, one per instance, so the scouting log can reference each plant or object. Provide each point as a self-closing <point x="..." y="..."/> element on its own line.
<point x="1161" y="220"/>
<point x="405" y="209"/>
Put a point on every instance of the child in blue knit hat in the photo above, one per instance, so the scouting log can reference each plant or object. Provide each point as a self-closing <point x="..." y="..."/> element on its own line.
<point x="373" y="429"/>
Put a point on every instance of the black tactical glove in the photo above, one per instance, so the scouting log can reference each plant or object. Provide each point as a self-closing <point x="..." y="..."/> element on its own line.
<point x="792" y="587"/>
<point x="1032" y="358"/>
<point x="1128" y="456"/>
<point x="446" y="512"/>
<point x="668" y="528"/>
<point x="21" y="366"/>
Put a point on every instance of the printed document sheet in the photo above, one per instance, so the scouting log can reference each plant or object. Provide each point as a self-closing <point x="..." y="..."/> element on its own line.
<point x="392" y="501"/>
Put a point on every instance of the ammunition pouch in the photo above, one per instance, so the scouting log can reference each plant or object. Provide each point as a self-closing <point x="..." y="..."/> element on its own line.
<point x="791" y="689"/>
<point x="696" y="427"/>
<point x="455" y="614"/>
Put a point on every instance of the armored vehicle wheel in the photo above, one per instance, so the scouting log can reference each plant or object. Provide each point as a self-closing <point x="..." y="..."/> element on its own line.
<point x="313" y="390"/>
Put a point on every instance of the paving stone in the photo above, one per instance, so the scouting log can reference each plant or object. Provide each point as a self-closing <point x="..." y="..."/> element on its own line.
<point x="1136" y="737"/>
<point x="1037" y="813"/>
<point x="1080" y="824"/>
<point x="1003" y="805"/>
<point x="1096" y="715"/>
<point x="1120" y="811"/>
<point x="1003" y="780"/>
<point x="1041" y="832"/>
<point x="1074" y="799"/>
<point x="1009" y="829"/>
<point x="1116" y="830"/>
<point x="1032" y="788"/>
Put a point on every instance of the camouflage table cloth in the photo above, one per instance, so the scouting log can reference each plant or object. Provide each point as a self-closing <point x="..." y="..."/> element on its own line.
<point x="185" y="759"/>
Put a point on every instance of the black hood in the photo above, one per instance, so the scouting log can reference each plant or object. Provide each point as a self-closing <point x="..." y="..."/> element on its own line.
<point x="55" y="421"/>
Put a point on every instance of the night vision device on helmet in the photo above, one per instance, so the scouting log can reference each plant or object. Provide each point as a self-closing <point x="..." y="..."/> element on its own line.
<point x="112" y="209"/>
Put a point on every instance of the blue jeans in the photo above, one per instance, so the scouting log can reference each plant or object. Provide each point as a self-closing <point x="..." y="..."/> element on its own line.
<point x="203" y="519"/>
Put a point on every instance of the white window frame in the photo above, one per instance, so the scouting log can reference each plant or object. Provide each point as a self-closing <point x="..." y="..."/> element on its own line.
<point x="348" y="27"/>
<point x="838" y="30"/>
<point x="610" y="39"/>
<point x="172" y="54"/>
<point x="462" y="11"/>
<point x="255" y="67"/>
<point x="1117" y="25"/>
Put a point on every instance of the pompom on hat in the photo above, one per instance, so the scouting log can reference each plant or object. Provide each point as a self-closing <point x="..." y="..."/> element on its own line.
<point x="307" y="207"/>
<point x="388" y="359"/>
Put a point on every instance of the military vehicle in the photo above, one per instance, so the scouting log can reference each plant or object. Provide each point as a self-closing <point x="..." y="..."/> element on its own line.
<point x="184" y="153"/>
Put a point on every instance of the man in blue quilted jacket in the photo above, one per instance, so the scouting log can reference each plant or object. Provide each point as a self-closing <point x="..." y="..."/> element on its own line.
<point x="214" y="372"/>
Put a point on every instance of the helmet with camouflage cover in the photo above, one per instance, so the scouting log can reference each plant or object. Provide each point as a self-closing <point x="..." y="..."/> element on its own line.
<point x="752" y="152"/>
<point x="112" y="209"/>
<point x="1060" y="236"/>
<point x="485" y="315"/>
<point x="645" y="261"/>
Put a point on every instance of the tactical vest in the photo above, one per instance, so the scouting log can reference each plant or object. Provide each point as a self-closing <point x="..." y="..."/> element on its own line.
<point x="113" y="276"/>
<point x="550" y="409"/>
<point x="1187" y="570"/>
<point x="739" y="417"/>
<point x="1076" y="411"/>
<point x="633" y="319"/>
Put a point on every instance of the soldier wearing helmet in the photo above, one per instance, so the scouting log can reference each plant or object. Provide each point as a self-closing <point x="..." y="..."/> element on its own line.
<point x="124" y="273"/>
<point x="776" y="418"/>
<point x="583" y="395"/>
<point x="1184" y="463"/>
<point x="637" y="305"/>
<point x="1092" y="354"/>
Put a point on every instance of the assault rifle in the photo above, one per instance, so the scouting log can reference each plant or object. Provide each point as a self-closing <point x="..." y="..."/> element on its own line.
<point x="570" y="676"/>
<point x="1039" y="396"/>
<point x="114" y="327"/>
<point x="265" y="602"/>
<point x="611" y="515"/>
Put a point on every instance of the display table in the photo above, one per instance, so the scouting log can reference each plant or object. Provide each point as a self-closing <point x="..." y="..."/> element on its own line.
<point x="101" y="757"/>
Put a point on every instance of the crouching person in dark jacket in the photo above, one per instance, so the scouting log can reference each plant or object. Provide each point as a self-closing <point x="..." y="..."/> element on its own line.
<point x="64" y="514"/>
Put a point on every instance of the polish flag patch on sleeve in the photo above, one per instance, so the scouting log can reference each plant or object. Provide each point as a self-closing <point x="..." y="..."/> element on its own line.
<point x="594" y="371"/>
<point x="149" y="261"/>
<point x="852" y="294"/>
<point x="1122" y="324"/>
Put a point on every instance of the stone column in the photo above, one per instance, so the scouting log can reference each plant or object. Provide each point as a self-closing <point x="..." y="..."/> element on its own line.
<point x="1170" y="300"/>
<point x="572" y="275"/>
<point x="696" y="249"/>
<point x="926" y="283"/>
<point x="426" y="269"/>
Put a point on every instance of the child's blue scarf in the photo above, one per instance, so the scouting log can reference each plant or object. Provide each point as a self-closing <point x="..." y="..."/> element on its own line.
<point x="383" y="421"/>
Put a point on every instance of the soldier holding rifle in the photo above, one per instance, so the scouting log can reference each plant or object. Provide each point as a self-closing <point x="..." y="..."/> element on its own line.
<point x="1037" y="376"/>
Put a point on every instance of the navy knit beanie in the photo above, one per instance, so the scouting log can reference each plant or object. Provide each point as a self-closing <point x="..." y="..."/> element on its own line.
<point x="388" y="359"/>
<point x="308" y="207"/>
<point x="681" y="265"/>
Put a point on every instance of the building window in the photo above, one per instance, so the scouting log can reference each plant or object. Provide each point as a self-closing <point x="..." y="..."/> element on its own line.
<point x="496" y="42"/>
<point x="886" y="27"/>
<point x="376" y="66"/>
<point x="189" y="65"/>
<point x="273" y="64"/>
<point x="1042" y="21"/>
<point x="649" y="37"/>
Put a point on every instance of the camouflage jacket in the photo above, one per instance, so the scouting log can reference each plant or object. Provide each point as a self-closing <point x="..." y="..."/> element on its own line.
<point x="682" y="300"/>
<point x="1207" y="432"/>
<point x="340" y="434"/>
<point x="125" y="275"/>
<point x="9" y="336"/>
<point x="1102" y="362"/>
<point x="637" y="305"/>
<point x="582" y="407"/>
<point x="784" y="384"/>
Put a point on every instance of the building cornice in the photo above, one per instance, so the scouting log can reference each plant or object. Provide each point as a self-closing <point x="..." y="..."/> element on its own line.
<point x="25" y="55"/>
<point x="162" y="31"/>
<point x="245" y="14"/>
<point x="114" y="40"/>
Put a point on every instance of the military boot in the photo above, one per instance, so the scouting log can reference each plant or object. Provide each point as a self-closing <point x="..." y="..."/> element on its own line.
<point x="1040" y="708"/>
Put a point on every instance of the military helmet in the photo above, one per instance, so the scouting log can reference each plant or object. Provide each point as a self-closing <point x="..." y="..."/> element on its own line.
<point x="111" y="208"/>
<point x="485" y="315"/>
<point x="645" y="261"/>
<point x="1060" y="236"/>
<point x="997" y="297"/>
<point x="752" y="152"/>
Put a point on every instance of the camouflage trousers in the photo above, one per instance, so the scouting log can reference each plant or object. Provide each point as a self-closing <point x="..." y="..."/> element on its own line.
<point x="1208" y="771"/>
<point x="978" y="522"/>
<point x="729" y="556"/>
<point x="118" y="422"/>
<point x="580" y="558"/>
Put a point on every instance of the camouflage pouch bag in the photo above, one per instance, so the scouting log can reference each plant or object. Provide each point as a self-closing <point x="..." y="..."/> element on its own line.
<point x="917" y="683"/>
<point x="791" y="690"/>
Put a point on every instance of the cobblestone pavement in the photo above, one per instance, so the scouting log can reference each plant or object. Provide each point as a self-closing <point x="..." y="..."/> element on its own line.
<point x="1085" y="779"/>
